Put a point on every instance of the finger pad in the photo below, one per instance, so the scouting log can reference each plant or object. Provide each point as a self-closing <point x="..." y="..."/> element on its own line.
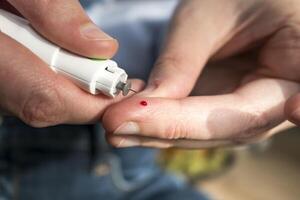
<point x="137" y="109"/>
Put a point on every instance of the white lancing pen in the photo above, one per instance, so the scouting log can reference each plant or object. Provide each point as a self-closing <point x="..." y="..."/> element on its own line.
<point x="94" y="76"/>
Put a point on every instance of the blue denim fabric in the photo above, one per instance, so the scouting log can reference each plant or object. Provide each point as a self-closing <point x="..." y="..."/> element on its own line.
<point x="74" y="162"/>
<point x="61" y="163"/>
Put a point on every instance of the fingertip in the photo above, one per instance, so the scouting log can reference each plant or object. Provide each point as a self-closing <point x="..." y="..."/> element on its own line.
<point x="136" y="109"/>
<point x="114" y="141"/>
<point x="292" y="109"/>
<point x="104" y="49"/>
<point x="121" y="112"/>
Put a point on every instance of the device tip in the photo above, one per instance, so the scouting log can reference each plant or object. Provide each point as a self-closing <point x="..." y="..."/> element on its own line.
<point x="125" y="88"/>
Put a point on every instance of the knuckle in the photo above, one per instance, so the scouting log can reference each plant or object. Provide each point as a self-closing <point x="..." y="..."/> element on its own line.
<point x="176" y="131"/>
<point x="43" y="107"/>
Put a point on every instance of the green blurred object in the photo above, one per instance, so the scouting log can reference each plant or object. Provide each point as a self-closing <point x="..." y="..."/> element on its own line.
<point x="196" y="164"/>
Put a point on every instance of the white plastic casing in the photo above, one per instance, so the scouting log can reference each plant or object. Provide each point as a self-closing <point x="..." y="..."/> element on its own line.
<point x="91" y="75"/>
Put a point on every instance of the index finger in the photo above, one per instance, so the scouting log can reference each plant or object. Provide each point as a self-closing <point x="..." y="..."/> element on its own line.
<point x="252" y="109"/>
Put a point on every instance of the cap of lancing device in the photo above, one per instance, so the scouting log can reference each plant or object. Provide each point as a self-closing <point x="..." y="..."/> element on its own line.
<point x="125" y="88"/>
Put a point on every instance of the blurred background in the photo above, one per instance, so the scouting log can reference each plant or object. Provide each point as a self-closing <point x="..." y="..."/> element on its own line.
<point x="265" y="171"/>
<point x="268" y="170"/>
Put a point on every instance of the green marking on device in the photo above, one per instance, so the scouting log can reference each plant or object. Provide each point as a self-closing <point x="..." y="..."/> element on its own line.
<point x="99" y="59"/>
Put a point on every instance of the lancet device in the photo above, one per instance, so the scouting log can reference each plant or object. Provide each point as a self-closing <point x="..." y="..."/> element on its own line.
<point x="94" y="76"/>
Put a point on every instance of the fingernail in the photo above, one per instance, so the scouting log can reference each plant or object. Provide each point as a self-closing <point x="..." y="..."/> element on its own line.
<point x="91" y="32"/>
<point x="129" y="142"/>
<point x="129" y="128"/>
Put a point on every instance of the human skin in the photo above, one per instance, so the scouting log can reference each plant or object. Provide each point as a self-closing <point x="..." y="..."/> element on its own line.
<point x="29" y="89"/>
<point x="251" y="88"/>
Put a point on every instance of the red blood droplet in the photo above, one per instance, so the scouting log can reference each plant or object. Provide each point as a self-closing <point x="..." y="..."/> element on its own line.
<point x="144" y="103"/>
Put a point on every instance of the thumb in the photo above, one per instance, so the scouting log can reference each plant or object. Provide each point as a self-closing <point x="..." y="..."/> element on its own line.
<point x="196" y="33"/>
<point x="66" y="24"/>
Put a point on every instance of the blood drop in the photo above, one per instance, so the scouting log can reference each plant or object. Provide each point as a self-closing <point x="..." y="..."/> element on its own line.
<point x="143" y="103"/>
